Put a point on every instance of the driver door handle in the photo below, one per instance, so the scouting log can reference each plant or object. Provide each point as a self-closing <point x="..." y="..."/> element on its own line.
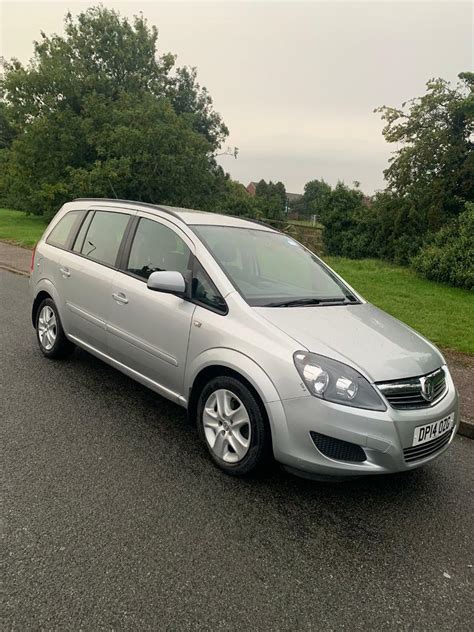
<point x="120" y="298"/>
<point x="64" y="271"/>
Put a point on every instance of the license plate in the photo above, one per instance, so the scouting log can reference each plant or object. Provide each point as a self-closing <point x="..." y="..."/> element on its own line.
<point x="432" y="431"/>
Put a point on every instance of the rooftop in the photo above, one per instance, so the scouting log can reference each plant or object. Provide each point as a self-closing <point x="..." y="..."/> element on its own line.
<point x="187" y="215"/>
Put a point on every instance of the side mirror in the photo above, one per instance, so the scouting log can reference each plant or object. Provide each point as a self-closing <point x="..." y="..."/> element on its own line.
<point x="167" y="281"/>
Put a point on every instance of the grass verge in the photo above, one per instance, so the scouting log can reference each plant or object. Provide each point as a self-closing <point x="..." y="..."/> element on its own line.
<point x="18" y="228"/>
<point x="445" y="315"/>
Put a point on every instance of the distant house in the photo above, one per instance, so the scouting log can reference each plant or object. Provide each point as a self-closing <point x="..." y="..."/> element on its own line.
<point x="293" y="197"/>
<point x="291" y="201"/>
<point x="252" y="188"/>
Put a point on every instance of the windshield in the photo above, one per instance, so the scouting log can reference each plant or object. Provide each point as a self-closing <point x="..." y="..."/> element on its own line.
<point x="271" y="269"/>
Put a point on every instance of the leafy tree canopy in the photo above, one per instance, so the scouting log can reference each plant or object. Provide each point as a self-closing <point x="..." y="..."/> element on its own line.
<point x="273" y="198"/>
<point x="7" y="133"/>
<point x="434" y="164"/>
<point x="104" y="54"/>
<point x="316" y="196"/>
<point x="235" y="200"/>
<point x="98" y="112"/>
<point x="416" y="220"/>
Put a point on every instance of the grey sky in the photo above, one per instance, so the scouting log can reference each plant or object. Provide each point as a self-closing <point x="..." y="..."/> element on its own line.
<point x="296" y="83"/>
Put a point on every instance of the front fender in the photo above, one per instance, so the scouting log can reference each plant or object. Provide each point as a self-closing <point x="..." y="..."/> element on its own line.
<point x="238" y="362"/>
<point x="256" y="376"/>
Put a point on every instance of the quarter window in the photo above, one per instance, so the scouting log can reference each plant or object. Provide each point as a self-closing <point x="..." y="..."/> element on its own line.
<point x="102" y="241"/>
<point x="205" y="292"/>
<point x="155" y="248"/>
<point x="79" y="241"/>
<point x="62" y="232"/>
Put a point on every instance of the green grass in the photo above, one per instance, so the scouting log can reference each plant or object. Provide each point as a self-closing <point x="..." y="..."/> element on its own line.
<point x="445" y="315"/>
<point x="19" y="228"/>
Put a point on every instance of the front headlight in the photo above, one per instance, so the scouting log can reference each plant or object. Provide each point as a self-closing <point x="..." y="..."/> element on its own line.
<point x="336" y="382"/>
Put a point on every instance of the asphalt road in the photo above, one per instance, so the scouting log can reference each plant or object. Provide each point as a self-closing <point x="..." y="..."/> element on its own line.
<point x="113" y="517"/>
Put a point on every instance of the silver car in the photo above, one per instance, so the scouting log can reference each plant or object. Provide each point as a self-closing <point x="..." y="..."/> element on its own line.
<point x="268" y="349"/>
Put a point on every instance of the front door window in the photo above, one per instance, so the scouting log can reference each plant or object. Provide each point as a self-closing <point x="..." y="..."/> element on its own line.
<point x="155" y="248"/>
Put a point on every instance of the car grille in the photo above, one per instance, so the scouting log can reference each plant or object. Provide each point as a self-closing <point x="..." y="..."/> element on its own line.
<point x="415" y="392"/>
<point x="426" y="449"/>
<point x="337" y="449"/>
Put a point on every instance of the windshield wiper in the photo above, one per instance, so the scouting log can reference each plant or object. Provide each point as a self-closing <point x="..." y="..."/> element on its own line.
<point x="309" y="301"/>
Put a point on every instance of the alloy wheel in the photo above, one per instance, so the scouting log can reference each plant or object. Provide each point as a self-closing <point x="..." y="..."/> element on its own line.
<point x="227" y="426"/>
<point x="47" y="328"/>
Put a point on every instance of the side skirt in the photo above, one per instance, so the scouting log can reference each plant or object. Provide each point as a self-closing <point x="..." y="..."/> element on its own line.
<point x="135" y="375"/>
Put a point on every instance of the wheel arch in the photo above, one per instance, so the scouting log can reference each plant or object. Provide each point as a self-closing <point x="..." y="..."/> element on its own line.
<point x="44" y="289"/>
<point x="216" y="362"/>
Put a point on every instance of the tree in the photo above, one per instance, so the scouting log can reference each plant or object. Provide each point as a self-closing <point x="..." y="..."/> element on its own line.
<point x="272" y="197"/>
<point x="431" y="174"/>
<point x="430" y="178"/>
<point x="97" y="112"/>
<point x="434" y="165"/>
<point x="341" y="215"/>
<point x="194" y="102"/>
<point x="234" y="199"/>
<point x="316" y="196"/>
<point x="7" y="131"/>
<point x="101" y="53"/>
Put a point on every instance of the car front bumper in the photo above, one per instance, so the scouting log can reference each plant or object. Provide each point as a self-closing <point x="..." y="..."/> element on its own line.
<point x="382" y="435"/>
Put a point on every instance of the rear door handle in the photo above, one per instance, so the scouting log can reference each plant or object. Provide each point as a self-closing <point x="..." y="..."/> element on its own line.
<point x="64" y="271"/>
<point x="120" y="298"/>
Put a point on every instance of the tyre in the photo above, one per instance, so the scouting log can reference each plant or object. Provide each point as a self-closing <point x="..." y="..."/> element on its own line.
<point x="49" y="332"/>
<point x="231" y="424"/>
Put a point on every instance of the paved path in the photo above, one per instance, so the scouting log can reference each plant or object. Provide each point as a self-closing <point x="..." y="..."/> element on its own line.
<point x="114" y="518"/>
<point x="14" y="258"/>
<point x="462" y="370"/>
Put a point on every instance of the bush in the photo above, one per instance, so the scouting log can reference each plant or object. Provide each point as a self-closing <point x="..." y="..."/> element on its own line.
<point x="449" y="256"/>
<point x="341" y="217"/>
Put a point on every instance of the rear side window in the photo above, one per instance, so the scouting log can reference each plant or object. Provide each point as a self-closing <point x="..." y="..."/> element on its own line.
<point x="205" y="292"/>
<point x="63" y="231"/>
<point x="104" y="236"/>
<point x="155" y="248"/>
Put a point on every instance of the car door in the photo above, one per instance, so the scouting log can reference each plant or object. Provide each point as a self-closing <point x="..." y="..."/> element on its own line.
<point x="87" y="271"/>
<point x="148" y="331"/>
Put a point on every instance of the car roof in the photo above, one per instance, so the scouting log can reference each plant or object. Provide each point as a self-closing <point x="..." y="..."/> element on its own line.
<point x="190" y="217"/>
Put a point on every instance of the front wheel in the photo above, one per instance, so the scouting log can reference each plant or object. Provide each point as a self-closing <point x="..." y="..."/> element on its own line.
<point x="232" y="426"/>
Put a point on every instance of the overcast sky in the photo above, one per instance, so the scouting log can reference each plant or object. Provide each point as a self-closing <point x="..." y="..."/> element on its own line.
<point x="296" y="83"/>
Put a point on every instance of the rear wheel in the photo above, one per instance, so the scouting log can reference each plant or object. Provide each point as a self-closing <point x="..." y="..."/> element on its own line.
<point x="232" y="426"/>
<point x="49" y="332"/>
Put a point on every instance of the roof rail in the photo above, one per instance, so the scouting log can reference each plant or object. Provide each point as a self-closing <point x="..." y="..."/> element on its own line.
<point x="163" y="209"/>
<point x="255" y="221"/>
<point x="156" y="207"/>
